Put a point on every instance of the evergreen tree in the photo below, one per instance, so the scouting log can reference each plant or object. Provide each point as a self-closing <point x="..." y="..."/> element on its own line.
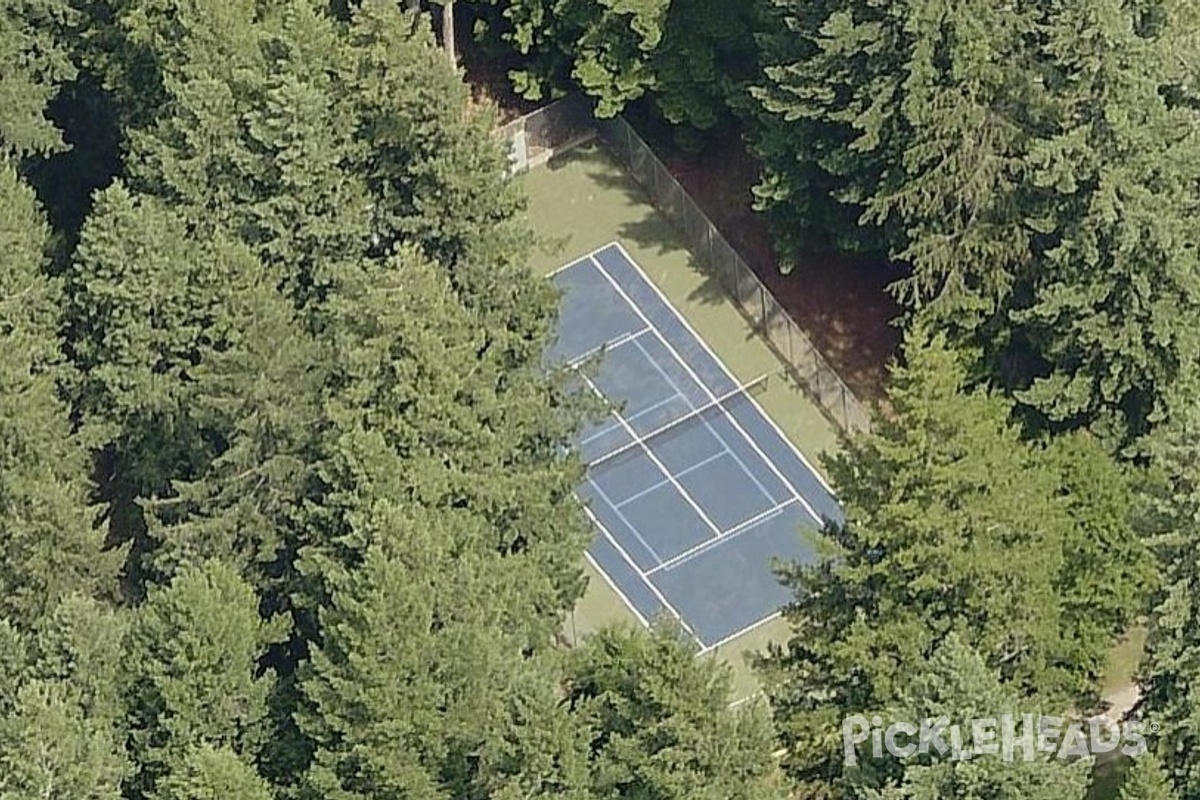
<point x="211" y="773"/>
<point x="194" y="674"/>
<point x="1145" y="780"/>
<point x="660" y="724"/>
<point x="1115" y="309"/>
<point x="81" y="645"/>
<point x="953" y="525"/>
<point x="13" y="658"/>
<point x="411" y="689"/>
<point x="49" y="544"/>
<point x="957" y="685"/>
<point x="260" y="146"/>
<point x="1038" y="187"/>
<point x="256" y="390"/>
<point x="1110" y="572"/>
<point x="48" y="748"/>
<point x="831" y="129"/>
<point x="477" y="435"/>
<point x="1170" y="672"/>
<point x="33" y="65"/>
<point x="59" y="715"/>
<point x="152" y="298"/>
<point x="144" y="295"/>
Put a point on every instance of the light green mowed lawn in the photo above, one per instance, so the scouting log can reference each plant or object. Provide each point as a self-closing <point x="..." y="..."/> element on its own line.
<point x="583" y="200"/>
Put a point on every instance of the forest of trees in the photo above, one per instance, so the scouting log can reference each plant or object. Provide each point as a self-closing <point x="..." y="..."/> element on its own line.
<point x="284" y="510"/>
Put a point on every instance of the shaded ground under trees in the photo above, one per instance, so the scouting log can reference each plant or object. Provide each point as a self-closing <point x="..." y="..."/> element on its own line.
<point x="840" y="301"/>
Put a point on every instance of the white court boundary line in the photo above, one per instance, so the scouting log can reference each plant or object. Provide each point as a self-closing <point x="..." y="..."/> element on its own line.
<point x="715" y="402"/>
<point x="603" y="573"/>
<point x="704" y="462"/>
<point x="692" y="374"/>
<point x="637" y="267"/>
<point x="706" y="649"/>
<point x="583" y="258"/>
<point x="610" y="428"/>
<point x="732" y="533"/>
<point x="693" y="413"/>
<point x="653" y="589"/>
<point x="666" y="472"/>
<point x="708" y="349"/>
<point x="625" y="521"/>
<point x="721" y="364"/>
<point x="624" y="338"/>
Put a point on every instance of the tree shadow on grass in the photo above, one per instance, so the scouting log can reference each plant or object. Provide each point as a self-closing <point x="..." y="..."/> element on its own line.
<point x="840" y="301"/>
<point x="654" y="232"/>
<point x="724" y="275"/>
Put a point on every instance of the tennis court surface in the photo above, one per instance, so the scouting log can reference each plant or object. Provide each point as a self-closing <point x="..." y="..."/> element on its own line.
<point x="693" y="490"/>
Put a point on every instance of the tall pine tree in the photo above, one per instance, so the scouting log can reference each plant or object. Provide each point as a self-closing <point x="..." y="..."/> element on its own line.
<point x="50" y="545"/>
<point x="953" y="526"/>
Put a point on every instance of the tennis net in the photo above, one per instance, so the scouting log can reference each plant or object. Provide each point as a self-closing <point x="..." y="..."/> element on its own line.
<point x="753" y="387"/>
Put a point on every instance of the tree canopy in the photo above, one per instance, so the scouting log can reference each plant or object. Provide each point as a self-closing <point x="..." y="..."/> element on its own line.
<point x="282" y="494"/>
<point x="287" y="499"/>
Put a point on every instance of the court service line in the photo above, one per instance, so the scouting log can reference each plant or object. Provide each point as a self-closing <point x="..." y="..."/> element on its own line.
<point x="666" y="472"/>
<point x="726" y="537"/>
<point x="636" y="534"/>
<point x="724" y="443"/>
<point x="707" y="348"/>
<point x="691" y="373"/>
<point x="609" y="429"/>
<point x="613" y="344"/>
<point x="680" y="474"/>
<point x="653" y="589"/>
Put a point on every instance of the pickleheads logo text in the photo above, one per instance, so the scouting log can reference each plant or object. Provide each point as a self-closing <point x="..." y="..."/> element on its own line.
<point x="1008" y="737"/>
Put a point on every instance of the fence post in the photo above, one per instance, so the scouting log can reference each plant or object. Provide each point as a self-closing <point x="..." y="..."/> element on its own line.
<point x="710" y="247"/>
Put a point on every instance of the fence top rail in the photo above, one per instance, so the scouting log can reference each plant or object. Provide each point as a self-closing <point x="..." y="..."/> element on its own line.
<point x="853" y="414"/>
<point x="566" y="117"/>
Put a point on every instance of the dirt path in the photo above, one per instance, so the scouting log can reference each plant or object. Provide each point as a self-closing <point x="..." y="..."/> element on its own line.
<point x="1123" y="700"/>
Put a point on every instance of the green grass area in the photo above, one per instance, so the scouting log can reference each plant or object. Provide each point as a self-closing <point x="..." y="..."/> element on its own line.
<point x="583" y="200"/>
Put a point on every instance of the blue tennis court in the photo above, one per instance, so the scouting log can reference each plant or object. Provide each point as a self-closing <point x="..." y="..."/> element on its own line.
<point x="693" y="490"/>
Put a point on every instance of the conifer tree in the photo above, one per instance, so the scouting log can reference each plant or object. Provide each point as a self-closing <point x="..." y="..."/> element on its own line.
<point x="1145" y="780"/>
<point x="953" y="526"/>
<point x="1039" y="187"/>
<point x="34" y="62"/>
<point x="194" y="676"/>
<point x="956" y="685"/>
<point x="212" y="773"/>
<point x="49" y="543"/>
<point x="659" y="721"/>
<point x="417" y="674"/>
<point x="60" y="719"/>
<point x="152" y="299"/>
<point x="256" y="389"/>
<point x="477" y="437"/>
<point x="48" y="748"/>
<point x="1170" y="675"/>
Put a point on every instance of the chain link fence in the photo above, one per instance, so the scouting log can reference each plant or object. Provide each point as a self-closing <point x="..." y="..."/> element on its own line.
<point x="567" y="122"/>
<point x="718" y="258"/>
<point x="535" y="138"/>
